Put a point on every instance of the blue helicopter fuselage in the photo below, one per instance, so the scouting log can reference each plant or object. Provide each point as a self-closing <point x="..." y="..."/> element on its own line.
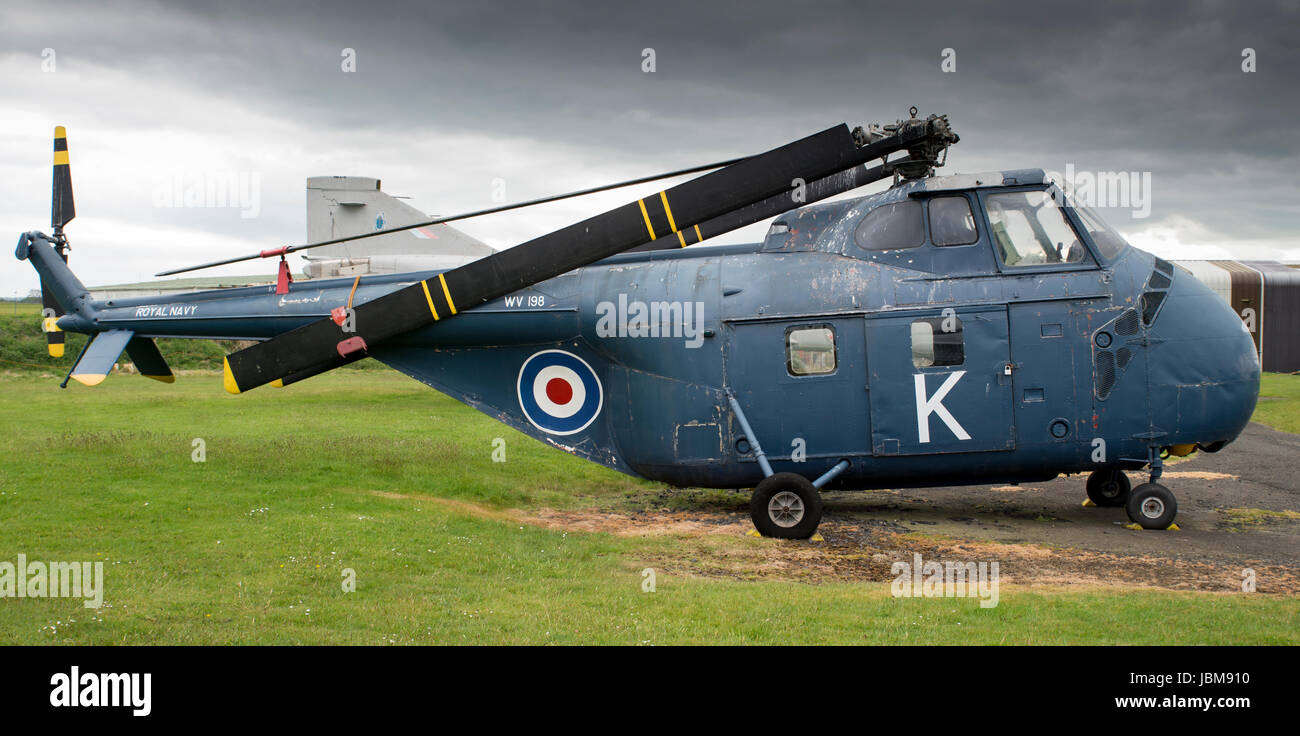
<point x="934" y="363"/>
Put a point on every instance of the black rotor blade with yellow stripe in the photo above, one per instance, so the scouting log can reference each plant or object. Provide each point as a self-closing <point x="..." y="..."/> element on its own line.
<point x="50" y="313"/>
<point x="62" y="208"/>
<point x="844" y="181"/>
<point x="323" y="345"/>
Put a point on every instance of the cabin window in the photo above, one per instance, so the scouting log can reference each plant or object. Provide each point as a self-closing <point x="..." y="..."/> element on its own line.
<point x="1030" y="230"/>
<point x="892" y="227"/>
<point x="952" y="222"/>
<point x="937" y="341"/>
<point x="810" y="351"/>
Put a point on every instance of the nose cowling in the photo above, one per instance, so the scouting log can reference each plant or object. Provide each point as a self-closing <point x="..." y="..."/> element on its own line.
<point x="1203" y="370"/>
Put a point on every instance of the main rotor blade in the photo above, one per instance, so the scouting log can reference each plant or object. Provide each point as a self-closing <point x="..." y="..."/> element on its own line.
<point x="274" y="252"/>
<point x="844" y="181"/>
<point x="322" y="345"/>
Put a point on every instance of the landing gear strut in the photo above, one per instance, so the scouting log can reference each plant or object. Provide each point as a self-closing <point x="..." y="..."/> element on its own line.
<point x="1151" y="505"/>
<point x="784" y="505"/>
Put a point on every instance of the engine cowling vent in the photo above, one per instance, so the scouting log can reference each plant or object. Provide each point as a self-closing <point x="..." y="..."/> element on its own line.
<point x="1153" y="296"/>
<point x="1105" y="373"/>
<point x="1114" y="347"/>
<point x="1127" y="324"/>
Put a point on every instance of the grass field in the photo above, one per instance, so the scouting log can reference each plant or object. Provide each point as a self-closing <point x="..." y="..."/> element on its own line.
<point x="375" y="473"/>
<point x="1279" y="402"/>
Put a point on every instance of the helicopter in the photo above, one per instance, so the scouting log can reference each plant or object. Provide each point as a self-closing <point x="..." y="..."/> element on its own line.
<point x="950" y="330"/>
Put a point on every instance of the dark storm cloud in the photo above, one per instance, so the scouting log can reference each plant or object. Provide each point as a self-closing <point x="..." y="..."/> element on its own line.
<point x="1149" y="86"/>
<point x="1131" y="76"/>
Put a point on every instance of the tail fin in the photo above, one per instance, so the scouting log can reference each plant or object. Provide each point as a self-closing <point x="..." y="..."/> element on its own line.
<point x="342" y="206"/>
<point x="66" y="300"/>
<point x="143" y="352"/>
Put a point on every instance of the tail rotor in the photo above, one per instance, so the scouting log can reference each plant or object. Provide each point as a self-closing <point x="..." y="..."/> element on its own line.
<point x="62" y="210"/>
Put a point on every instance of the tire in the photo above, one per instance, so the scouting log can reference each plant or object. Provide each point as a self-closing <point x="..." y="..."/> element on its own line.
<point x="1152" y="506"/>
<point x="1109" y="488"/>
<point x="786" y="506"/>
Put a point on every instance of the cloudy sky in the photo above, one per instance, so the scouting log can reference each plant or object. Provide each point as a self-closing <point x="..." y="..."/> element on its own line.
<point x="548" y="97"/>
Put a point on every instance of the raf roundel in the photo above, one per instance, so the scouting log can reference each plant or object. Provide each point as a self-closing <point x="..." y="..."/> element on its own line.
<point x="559" y="392"/>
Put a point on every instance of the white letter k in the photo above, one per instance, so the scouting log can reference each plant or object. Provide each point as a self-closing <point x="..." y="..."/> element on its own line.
<point x="934" y="405"/>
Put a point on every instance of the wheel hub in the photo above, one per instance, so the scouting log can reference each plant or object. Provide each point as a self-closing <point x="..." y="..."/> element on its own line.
<point x="1153" y="508"/>
<point x="785" y="509"/>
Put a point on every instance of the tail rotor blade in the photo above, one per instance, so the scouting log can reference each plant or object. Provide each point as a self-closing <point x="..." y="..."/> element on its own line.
<point x="62" y="208"/>
<point x="50" y="313"/>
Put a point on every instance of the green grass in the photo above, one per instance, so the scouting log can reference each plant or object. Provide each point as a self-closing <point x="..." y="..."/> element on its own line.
<point x="1279" y="401"/>
<point x="1240" y="518"/>
<point x="368" y="472"/>
<point x="23" y="346"/>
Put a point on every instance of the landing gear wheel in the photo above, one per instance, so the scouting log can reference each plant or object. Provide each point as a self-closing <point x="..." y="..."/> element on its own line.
<point x="1152" y="506"/>
<point x="1108" y="487"/>
<point x="786" y="506"/>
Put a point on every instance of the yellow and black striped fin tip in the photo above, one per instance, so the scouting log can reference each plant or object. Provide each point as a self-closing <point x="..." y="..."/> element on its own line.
<point x="56" y="349"/>
<point x="169" y="378"/>
<point x="60" y="146"/>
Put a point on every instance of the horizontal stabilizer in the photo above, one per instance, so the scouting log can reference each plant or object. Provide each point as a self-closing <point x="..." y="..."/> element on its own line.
<point x="100" y="355"/>
<point x="144" y="353"/>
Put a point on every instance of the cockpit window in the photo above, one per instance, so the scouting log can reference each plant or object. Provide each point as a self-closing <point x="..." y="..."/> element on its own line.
<point x="891" y="227"/>
<point x="1109" y="242"/>
<point x="1030" y="230"/>
<point x="951" y="221"/>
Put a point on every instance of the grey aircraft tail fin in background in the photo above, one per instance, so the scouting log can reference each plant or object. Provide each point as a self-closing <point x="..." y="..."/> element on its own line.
<point x="343" y="206"/>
